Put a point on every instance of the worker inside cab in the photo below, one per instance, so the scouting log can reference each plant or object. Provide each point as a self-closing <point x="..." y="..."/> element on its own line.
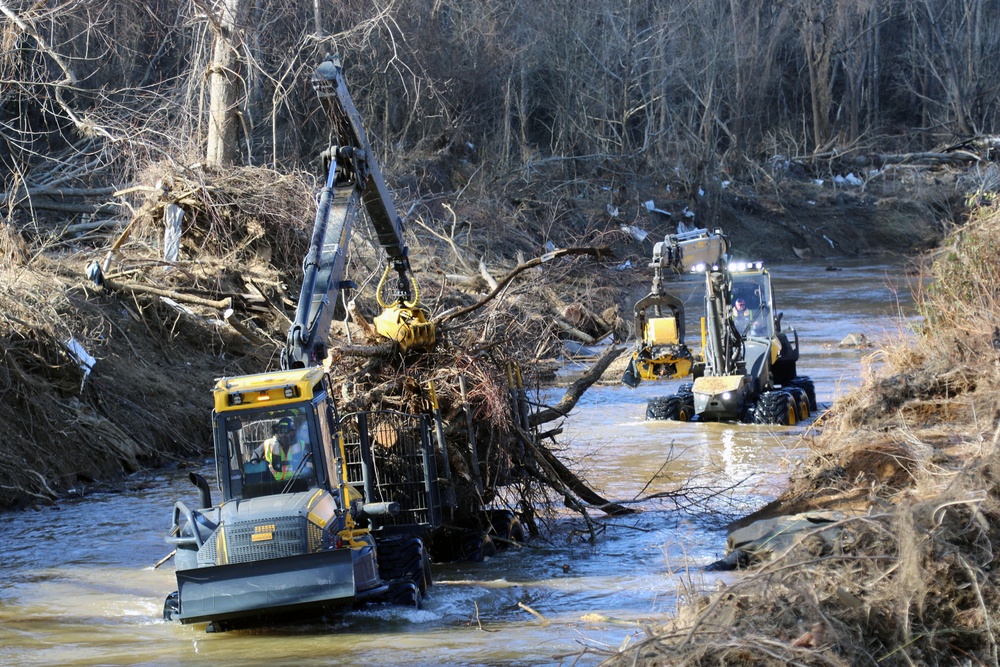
<point x="743" y="317"/>
<point x="287" y="452"/>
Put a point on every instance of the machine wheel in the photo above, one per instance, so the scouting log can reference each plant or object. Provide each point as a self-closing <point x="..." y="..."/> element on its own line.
<point x="171" y="606"/>
<point x="801" y="400"/>
<point x="405" y="559"/>
<point x="686" y="393"/>
<point x="773" y="407"/>
<point x="505" y="525"/>
<point x="405" y="593"/>
<point x="666" y="407"/>
<point x="477" y="546"/>
<point x="805" y="383"/>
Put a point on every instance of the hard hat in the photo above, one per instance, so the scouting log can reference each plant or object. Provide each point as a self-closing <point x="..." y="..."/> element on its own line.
<point x="284" y="424"/>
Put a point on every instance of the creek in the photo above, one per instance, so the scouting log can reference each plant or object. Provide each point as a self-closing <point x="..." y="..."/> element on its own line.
<point x="78" y="585"/>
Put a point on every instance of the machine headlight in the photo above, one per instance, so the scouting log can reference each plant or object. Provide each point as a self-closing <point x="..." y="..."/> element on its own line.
<point x="726" y="396"/>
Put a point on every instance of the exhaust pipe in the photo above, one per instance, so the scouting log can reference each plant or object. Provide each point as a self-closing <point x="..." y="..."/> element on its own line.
<point x="204" y="493"/>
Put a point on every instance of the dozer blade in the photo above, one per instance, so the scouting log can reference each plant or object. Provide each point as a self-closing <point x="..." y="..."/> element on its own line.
<point x="267" y="587"/>
<point x="407" y="326"/>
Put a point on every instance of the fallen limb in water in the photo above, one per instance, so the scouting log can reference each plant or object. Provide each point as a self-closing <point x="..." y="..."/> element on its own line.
<point x="577" y="389"/>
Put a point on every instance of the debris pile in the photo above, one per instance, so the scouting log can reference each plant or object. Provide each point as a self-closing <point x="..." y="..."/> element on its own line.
<point x="161" y="328"/>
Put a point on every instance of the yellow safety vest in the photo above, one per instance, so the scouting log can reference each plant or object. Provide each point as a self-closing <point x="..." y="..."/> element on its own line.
<point x="294" y="451"/>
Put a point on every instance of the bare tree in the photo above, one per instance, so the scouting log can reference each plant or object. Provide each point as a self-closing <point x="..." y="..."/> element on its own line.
<point x="224" y="81"/>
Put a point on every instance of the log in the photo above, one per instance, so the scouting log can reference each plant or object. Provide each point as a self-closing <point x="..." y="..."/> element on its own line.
<point x="584" y="338"/>
<point x="92" y="209"/>
<point x="576" y="390"/>
<point x="27" y="193"/>
<point x="230" y="317"/>
<point x="176" y="296"/>
<point x="957" y="157"/>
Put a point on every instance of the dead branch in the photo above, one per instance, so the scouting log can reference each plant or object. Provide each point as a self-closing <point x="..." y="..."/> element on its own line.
<point x="222" y="304"/>
<point x="576" y="390"/>
<point x="570" y="480"/>
<point x="24" y="193"/>
<point x="957" y="157"/>
<point x="530" y="264"/>
<point x="90" y="209"/>
<point x="487" y="276"/>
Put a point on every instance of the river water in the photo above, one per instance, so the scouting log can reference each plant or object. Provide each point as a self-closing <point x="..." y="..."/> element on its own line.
<point x="78" y="585"/>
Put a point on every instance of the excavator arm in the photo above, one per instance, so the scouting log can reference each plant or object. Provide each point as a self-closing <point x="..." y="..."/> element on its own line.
<point x="353" y="181"/>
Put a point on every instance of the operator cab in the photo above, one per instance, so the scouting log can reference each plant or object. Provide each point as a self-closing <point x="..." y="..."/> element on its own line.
<point x="269" y="441"/>
<point x="269" y="452"/>
<point x="752" y="285"/>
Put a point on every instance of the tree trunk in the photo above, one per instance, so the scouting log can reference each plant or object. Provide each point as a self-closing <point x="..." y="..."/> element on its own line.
<point x="223" y="83"/>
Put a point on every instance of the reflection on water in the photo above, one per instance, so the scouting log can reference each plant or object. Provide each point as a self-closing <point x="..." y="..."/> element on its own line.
<point x="78" y="586"/>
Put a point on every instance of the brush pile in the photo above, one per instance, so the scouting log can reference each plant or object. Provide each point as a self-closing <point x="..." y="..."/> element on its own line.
<point x="107" y="377"/>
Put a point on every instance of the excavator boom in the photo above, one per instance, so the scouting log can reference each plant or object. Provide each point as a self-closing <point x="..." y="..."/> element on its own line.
<point x="353" y="181"/>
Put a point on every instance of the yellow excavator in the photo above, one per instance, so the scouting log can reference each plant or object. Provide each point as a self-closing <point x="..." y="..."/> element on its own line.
<point x="660" y="351"/>
<point x="319" y="510"/>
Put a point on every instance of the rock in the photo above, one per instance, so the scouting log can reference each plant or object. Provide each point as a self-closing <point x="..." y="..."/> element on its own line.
<point x="855" y="340"/>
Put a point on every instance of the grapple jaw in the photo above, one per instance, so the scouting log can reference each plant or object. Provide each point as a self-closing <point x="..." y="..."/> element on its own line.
<point x="407" y="325"/>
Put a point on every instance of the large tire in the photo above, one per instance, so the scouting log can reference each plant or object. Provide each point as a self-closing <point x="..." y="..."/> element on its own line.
<point x="505" y="525"/>
<point x="477" y="546"/>
<point x="405" y="559"/>
<point x="805" y="383"/>
<point x="661" y="407"/>
<point x="405" y="593"/>
<point x="801" y="401"/>
<point x="669" y="407"/>
<point x="773" y="407"/>
<point x="685" y="392"/>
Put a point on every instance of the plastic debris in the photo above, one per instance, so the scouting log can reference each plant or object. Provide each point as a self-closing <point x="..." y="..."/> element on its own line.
<point x="636" y="233"/>
<point x="81" y="357"/>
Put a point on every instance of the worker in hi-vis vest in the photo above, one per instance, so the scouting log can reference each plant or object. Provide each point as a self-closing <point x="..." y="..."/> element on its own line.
<point x="286" y="452"/>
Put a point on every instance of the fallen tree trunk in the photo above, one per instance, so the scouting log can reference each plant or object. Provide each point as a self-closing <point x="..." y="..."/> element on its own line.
<point x="576" y="390"/>
<point x="571" y="481"/>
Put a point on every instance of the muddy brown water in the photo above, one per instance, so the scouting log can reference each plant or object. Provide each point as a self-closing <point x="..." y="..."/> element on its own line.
<point x="78" y="587"/>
